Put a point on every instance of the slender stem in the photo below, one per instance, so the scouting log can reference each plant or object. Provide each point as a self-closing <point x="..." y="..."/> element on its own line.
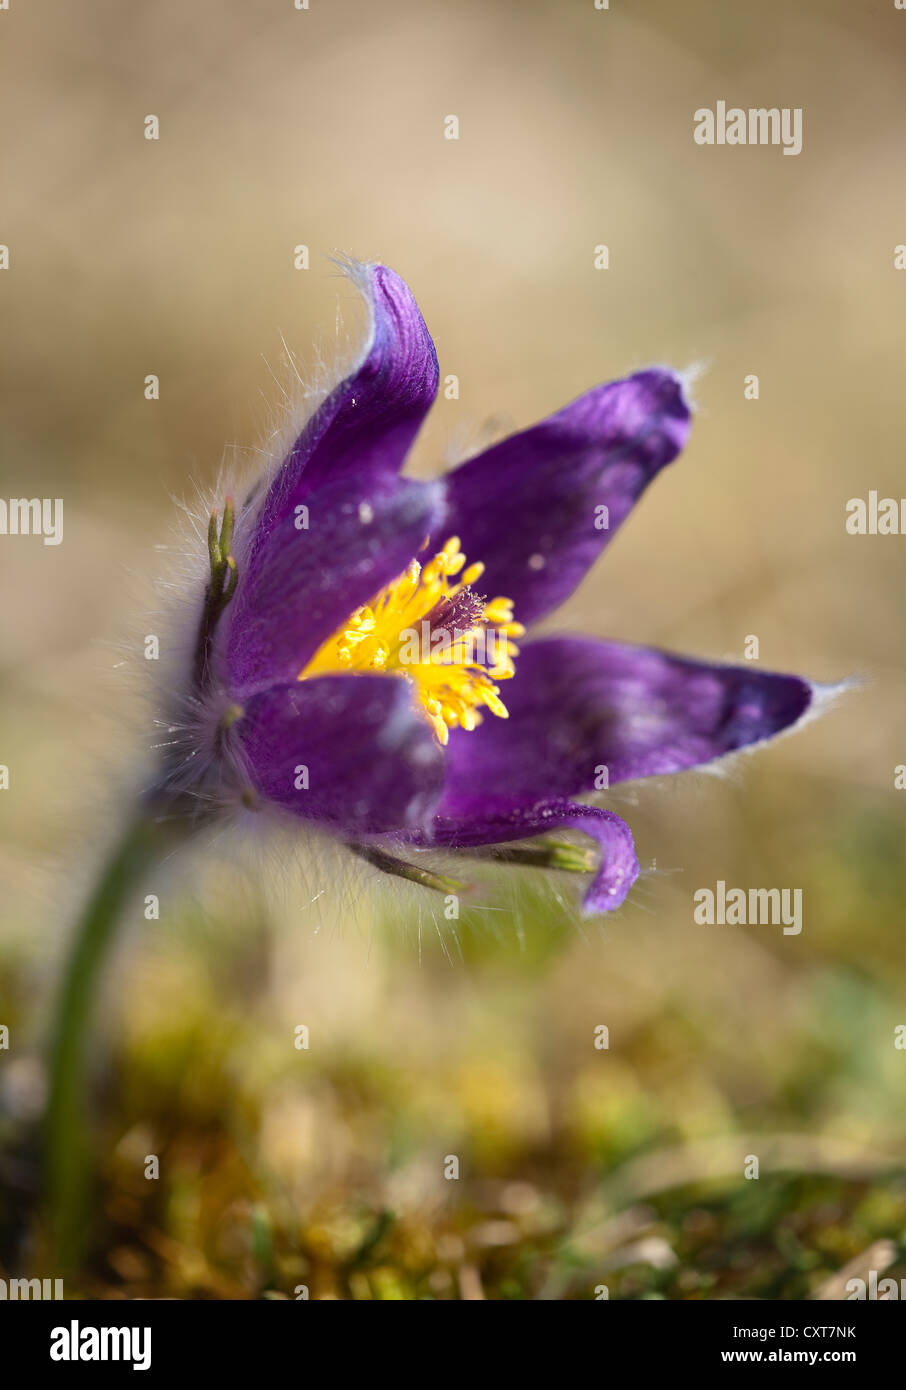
<point x="66" y="1134"/>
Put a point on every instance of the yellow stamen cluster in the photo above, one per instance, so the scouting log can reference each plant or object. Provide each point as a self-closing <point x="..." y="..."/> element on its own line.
<point x="382" y="635"/>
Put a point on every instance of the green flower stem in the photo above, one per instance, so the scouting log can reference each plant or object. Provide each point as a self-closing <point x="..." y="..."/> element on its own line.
<point x="67" y="1176"/>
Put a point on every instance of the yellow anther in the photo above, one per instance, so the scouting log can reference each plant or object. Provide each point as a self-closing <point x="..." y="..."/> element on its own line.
<point x="499" y="611"/>
<point x="454" y="679"/>
<point x="495" y="704"/>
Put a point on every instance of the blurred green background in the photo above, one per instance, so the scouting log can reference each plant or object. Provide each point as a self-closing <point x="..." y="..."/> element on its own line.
<point x="578" y="1167"/>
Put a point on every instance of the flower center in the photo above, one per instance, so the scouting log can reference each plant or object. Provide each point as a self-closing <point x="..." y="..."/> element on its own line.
<point x="431" y="627"/>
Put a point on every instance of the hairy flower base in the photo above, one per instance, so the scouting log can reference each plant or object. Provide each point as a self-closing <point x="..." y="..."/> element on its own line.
<point x="429" y="626"/>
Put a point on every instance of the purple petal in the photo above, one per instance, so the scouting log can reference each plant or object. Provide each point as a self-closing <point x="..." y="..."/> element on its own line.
<point x="304" y="583"/>
<point x="578" y="706"/>
<point x="529" y="507"/>
<point x="368" y="423"/>
<point x="619" y="867"/>
<point x="349" y="751"/>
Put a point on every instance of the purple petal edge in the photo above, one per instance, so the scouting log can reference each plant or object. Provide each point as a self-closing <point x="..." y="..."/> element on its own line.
<point x="531" y="507"/>
<point x="490" y="825"/>
<point x="577" y="705"/>
<point x="368" y="422"/>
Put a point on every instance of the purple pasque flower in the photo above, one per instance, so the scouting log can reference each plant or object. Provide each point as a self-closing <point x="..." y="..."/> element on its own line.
<point x="357" y="664"/>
